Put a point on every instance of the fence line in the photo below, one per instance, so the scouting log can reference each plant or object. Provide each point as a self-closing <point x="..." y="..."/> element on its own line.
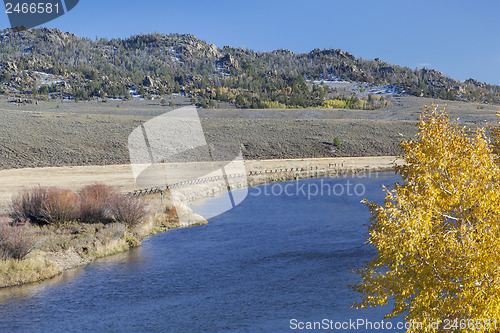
<point x="162" y="189"/>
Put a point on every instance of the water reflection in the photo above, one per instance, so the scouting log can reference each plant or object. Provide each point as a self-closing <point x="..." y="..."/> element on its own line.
<point x="131" y="258"/>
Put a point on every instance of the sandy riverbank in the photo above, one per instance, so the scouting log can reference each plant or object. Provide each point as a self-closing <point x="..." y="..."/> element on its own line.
<point x="258" y="171"/>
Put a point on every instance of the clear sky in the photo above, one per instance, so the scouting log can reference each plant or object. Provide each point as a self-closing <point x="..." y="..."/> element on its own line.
<point x="459" y="38"/>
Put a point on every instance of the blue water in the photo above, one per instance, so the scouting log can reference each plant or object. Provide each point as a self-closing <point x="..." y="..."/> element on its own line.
<point x="271" y="259"/>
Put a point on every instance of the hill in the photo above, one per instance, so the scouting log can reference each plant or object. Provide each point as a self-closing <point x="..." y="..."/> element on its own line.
<point x="48" y="63"/>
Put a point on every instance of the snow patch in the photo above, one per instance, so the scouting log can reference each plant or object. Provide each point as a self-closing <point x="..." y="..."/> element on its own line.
<point x="388" y="90"/>
<point x="47" y="79"/>
<point x="133" y="92"/>
<point x="174" y="55"/>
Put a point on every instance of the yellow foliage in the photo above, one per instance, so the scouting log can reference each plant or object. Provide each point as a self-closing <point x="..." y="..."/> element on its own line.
<point x="437" y="234"/>
<point x="495" y="135"/>
<point x="272" y="105"/>
<point x="334" y="104"/>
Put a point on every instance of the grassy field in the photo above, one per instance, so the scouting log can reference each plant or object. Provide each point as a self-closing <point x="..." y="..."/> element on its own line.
<point x="96" y="133"/>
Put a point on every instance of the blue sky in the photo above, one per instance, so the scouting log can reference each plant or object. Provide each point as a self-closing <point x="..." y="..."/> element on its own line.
<point x="459" y="38"/>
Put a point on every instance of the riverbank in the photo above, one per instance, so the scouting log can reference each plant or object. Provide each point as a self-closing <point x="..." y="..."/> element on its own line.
<point x="75" y="245"/>
<point x="120" y="176"/>
<point x="259" y="172"/>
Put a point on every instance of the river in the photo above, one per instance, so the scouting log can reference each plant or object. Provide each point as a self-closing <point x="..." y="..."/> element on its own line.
<point x="280" y="259"/>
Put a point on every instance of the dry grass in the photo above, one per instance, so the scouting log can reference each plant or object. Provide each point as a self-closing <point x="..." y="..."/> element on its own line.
<point x="110" y="247"/>
<point x="60" y="238"/>
<point x="103" y="130"/>
<point x="110" y="239"/>
<point x="150" y="226"/>
<point x="107" y="232"/>
<point x="15" y="272"/>
<point x="70" y="245"/>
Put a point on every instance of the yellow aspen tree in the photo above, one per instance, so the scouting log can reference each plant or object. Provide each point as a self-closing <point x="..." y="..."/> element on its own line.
<point x="495" y="138"/>
<point x="437" y="234"/>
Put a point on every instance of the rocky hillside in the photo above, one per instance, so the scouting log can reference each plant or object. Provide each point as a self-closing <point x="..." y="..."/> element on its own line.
<point x="49" y="63"/>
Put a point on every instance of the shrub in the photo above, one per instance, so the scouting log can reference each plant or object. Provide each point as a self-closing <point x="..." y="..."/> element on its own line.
<point x="27" y="206"/>
<point x="16" y="241"/>
<point x="42" y="205"/>
<point x="60" y="206"/>
<point x="95" y="203"/>
<point x="127" y="210"/>
<point x="336" y="141"/>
